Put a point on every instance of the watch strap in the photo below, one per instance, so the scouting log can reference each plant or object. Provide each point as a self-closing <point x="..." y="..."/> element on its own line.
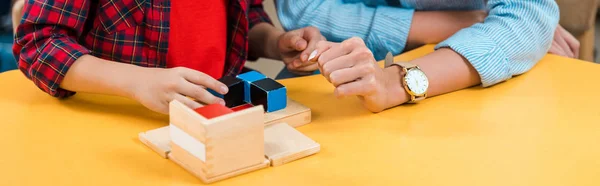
<point x="405" y="67"/>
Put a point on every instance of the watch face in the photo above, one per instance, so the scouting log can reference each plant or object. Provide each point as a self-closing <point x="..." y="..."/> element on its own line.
<point x="416" y="81"/>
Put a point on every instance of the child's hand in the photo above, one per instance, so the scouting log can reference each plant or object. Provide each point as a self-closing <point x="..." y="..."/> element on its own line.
<point x="352" y="69"/>
<point x="295" y="47"/>
<point x="157" y="87"/>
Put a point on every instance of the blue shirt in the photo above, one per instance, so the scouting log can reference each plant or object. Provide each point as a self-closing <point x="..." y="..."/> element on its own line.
<point x="515" y="35"/>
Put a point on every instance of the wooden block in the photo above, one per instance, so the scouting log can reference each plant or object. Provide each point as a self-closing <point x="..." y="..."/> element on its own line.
<point x="158" y="140"/>
<point x="249" y="78"/>
<point x="197" y="167"/>
<point x="284" y="144"/>
<point x="213" y="110"/>
<point x="235" y="96"/>
<point x="269" y="93"/>
<point x="295" y="115"/>
<point x="242" y="107"/>
<point x="225" y="143"/>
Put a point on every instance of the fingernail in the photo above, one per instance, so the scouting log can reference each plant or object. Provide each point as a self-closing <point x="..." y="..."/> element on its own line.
<point x="222" y="102"/>
<point x="313" y="54"/>
<point x="298" y="44"/>
<point x="224" y="89"/>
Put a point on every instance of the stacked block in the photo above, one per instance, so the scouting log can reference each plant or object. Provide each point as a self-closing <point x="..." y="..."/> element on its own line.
<point x="228" y="144"/>
<point x="254" y="88"/>
<point x="269" y="93"/>
<point x="249" y="78"/>
<point x="235" y="96"/>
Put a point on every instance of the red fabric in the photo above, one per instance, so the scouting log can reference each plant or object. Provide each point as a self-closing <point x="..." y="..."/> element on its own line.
<point x="200" y="45"/>
<point x="213" y="110"/>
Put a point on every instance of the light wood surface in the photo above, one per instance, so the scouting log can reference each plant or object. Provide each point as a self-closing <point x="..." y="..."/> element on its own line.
<point x="231" y="142"/>
<point x="284" y="144"/>
<point x="541" y="128"/>
<point x="196" y="167"/>
<point x="158" y="140"/>
<point x="294" y="114"/>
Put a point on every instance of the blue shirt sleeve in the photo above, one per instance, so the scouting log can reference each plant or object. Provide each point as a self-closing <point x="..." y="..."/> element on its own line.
<point x="512" y="39"/>
<point x="383" y="28"/>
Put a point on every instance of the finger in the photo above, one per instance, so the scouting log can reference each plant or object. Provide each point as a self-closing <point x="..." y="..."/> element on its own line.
<point x="204" y="80"/>
<point x="299" y="64"/>
<point x="560" y="40"/>
<point x="199" y="94"/>
<point x="313" y="56"/>
<point x="361" y="55"/>
<point x="312" y="60"/>
<point x="349" y="75"/>
<point x="313" y="36"/>
<point x="187" y="101"/>
<point x="322" y="46"/>
<point x="362" y="87"/>
<point x="298" y="43"/>
<point x="555" y="49"/>
<point x="342" y="49"/>
<point x="571" y="41"/>
<point x="305" y="70"/>
<point x="292" y="40"/>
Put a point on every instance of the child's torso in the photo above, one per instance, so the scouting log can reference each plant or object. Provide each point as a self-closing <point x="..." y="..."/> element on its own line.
<point x="128" y="31"/>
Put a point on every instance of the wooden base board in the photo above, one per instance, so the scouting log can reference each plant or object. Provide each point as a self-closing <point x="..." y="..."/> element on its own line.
<point x="158" y="140"/>
<point x="186" y="161"/>
<point x="295" y="115"/>
<point x="284" y="144"/>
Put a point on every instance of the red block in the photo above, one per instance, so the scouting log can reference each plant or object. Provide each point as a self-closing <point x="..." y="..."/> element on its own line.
<point x="242" y="107"/>
<point x="213" y="110"/>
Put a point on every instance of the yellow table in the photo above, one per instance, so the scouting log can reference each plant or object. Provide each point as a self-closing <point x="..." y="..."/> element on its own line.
<point x="541" y="128"/>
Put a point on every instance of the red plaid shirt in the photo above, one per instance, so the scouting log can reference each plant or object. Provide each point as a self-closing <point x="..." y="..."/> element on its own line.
<point x="54" y="33"/>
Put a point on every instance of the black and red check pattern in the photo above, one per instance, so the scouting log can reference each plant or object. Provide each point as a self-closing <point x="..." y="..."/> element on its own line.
<point x="54" y="33"/>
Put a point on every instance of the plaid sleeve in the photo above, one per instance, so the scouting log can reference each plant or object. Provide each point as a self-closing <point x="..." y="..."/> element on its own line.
<point x="45" y="41"/>
<point x="257" y="14"/>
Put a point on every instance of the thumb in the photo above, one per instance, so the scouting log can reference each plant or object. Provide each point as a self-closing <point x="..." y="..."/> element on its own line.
<point x="294" y="41"/>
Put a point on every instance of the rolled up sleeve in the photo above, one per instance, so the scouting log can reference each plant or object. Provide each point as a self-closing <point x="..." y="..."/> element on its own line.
<point x="511" y="40"/>
<point x="383" y="28"/>
<point x="45" y="42"/>
<point x="257" y="14"/>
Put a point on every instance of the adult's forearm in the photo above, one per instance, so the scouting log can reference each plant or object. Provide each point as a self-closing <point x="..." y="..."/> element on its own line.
<point x="446" y="70"/>
<point x="429" y="27"/>
<point x="94" y="75"/>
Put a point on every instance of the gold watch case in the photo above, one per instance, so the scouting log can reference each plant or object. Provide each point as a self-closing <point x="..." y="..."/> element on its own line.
<point x="406" y="67"/>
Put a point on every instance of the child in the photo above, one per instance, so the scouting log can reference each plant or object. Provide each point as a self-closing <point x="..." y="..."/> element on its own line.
<point x="120" y="47"/>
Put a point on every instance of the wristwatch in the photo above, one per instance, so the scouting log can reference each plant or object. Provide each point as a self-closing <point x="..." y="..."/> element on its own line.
<point x="413" y="80"/>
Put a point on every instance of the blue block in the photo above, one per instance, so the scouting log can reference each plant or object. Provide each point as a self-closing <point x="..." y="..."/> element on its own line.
<point x="269" y="93"/>
<point x="248" y="78"/>
<point x="277" y="99"/>
<point x="215" y="93"/>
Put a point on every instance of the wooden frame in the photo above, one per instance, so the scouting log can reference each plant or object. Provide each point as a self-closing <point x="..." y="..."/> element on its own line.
<point x="231" y="144"/>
